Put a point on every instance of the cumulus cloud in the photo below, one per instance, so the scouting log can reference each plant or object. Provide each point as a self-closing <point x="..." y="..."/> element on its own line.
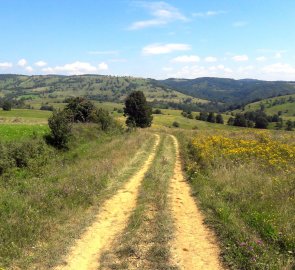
<point x="280" y="68"/>
<point x="165" y="48"/>
<point x="29" y="69"/>
<point x="240" y="58"/>
<point x="41" y="63"/>
<point x="210" y="59"/>
<point x="22" y="62"/>
<point x="103" y="66"/>
<point x="76" y="68"/>
<point x="162" y="13"/>
<point x="196" y="71"/>
<point x="186" y="59"/>
<point x="5" y="65"/>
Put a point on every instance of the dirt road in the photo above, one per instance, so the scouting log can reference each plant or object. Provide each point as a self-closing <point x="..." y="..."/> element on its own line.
<point x="194" y="246"/>
<point x="108" y="224"/>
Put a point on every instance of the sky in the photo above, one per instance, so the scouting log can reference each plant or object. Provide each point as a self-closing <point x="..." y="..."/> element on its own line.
<point x="151" y="39"/>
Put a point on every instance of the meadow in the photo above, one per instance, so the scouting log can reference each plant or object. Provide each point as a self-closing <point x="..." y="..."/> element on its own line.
<point x="242" y="179"/>
<point x="244" y="182"/>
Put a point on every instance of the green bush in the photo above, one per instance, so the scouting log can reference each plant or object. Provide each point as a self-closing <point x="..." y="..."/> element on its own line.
<point x="60" y="124"/>
<point x="175" y="124"/>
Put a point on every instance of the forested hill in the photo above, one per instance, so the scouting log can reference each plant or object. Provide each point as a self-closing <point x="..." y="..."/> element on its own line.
<point x="230" y="91"/>
<point x="94" y="87"/>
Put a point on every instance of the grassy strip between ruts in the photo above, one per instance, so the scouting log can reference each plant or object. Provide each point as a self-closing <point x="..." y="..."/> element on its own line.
<point x="43" y="209"/>
<point x="250" y="207"/>
<point x="145" y="242"/>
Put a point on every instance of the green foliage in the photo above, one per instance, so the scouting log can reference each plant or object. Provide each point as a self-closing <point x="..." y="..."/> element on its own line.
<point x="7" y="105"/>
<point x="137" y="110"/>
<point x="175" y="124"/>
<point x="60" y="124"/>
<point x="81" y="109"/>
<point x="19" y="154"/>
<point x="211" y="117"/>
<point x="219" y="119"/>
<point x="103" y="119"/>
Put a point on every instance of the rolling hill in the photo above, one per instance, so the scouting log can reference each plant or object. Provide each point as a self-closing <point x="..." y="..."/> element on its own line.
<point x="95" y="87"/>
<point x="230" y="91"/>
<point x="284" y="105"/>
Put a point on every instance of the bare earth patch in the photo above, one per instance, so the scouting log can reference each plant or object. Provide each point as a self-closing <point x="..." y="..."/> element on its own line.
<point x="109" y="223"/>
<point x="194" y="245"/>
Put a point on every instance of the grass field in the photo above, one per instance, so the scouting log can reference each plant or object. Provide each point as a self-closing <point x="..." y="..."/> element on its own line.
<point x="9" y="132"/>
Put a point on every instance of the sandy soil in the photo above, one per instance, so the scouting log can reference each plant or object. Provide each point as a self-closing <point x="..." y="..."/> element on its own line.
<point x="108" y="224"/>
<point x="194" y="246"/>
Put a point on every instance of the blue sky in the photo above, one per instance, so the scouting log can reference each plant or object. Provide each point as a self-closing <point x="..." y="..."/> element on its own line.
<point x="158" y="39"/>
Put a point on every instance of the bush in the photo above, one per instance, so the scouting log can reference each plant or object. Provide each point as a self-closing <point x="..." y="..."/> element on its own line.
<point x="60" y="124"/>
<point x="175" y="124"/>
<point x="81" y="109"/>
<point x="157" y="111"/>
<point x="7" y="105"/>
<point x="19" y="154"/>
<point x="46" y="108"/>
<point x="103" y="119"/>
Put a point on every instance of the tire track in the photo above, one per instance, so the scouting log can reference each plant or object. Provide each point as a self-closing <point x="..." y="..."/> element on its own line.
<point x="194" y="246"/>
<point x="108" y="224"/>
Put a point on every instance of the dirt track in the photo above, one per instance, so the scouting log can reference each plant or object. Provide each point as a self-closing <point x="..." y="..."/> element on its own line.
<point x="194" y="246"/>
<point x="108" y="224"/>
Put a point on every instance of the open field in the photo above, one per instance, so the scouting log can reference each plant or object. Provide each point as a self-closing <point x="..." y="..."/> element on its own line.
<point x="242" y="180"/>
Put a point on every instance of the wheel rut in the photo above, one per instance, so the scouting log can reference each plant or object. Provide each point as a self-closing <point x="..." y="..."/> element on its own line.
<point x="108" y="224"/>
<point x="194" y="246"/>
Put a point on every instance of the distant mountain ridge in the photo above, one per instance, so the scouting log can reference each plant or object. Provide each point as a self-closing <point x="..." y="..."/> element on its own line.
<point x="230" y="91"/>
<point x="193" y="93"/>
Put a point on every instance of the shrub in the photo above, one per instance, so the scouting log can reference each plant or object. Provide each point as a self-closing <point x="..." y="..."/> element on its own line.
<point x="60" y="124"/>
<point x="7" y="105"/>
<point x="45" y="107"/>
<point x="81" y="109"/>
<point x="175" y="124"/>
<point x="103" y="119"/>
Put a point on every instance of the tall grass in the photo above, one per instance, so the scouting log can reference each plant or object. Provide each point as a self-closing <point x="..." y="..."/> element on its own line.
<point x="44" y="208"/>
<point x="251" y="205"/>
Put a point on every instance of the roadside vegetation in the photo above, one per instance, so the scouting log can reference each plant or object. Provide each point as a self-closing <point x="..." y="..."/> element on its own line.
<point x="244" y="182"/>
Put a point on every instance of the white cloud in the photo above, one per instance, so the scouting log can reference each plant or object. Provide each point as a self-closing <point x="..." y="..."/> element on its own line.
<point x="5" y="65"/>
<point x="75" y="68"/>
<point x="240" y="58"/>
<point x="162" y="13"/>
<point x="41" y="63"/>
<point x="280" y="68"/>
<point x="261" y="58"/>
<point x="210" y="59"/>
<point x="103" y="66"/>
<point x="240" y="24"/>
<point x="165" y="48"/>
<point x="278" y="55"/>
<point x="196" y="71"/>
<point x="22" y="62"/>
<point x="209" y="13"/>
<point x="29" y="69"/>
<point x="186" y="59"/>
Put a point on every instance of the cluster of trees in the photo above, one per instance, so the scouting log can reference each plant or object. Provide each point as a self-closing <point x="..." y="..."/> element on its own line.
<point x="254" y="119"/>
<point x="210" y="117"/>
<point x="81" y="110"/>
<point x="78" y="110"/>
